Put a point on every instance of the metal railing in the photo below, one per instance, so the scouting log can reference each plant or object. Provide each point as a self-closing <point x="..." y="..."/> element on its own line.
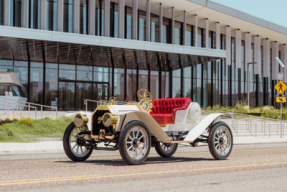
<point x="22" y="106"/>
<point x="243" y="124"/>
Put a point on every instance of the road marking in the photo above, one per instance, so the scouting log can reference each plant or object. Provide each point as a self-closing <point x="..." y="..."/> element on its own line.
<point x="85" y="177"/>
<point x="151" y="155"/>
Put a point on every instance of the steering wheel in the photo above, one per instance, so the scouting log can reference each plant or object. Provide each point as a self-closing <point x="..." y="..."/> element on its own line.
<point x="144" y="96"/>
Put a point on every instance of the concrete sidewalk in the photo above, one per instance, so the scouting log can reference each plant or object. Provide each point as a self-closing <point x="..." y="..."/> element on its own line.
<point x="57" y="146"/>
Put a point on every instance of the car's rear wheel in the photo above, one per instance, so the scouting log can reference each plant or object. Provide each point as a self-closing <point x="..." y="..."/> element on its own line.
<point x="220" y="141"/>
<point x="75" y="143"/>
<point x="134" y="143"/>
<point x="165" y="150"/>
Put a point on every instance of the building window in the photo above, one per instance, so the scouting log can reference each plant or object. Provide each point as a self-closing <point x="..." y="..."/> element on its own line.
<point x="1" y="12"/>
<point x="131" y="85"/>
<point x="176" y="83"/>
<point x="36" y="83"/>
<point x="84" y="73"/>
<point x="115" y="22"/>
<point x="51" y="85"/>
<point x="34" y="14"/>
<point x="188" y="35"/>
<point x="16" y="13"/>
<point x="21" y="72"/>
<point x="199" y="37"/>
<point x="166" y="35"/>
<point x="67" y="72"/>
<point x="143" y="79"/>
<point x="52" y="15"/>
<point x="154" y="84"/>
<point x="142" y="26"/>
<point x="68" y="16"/>
<point x="154" y="28"/>
<point x="177" y="33"/>
<point x="84" y="16"/>
<point x="129" y="13"/>
<point x="187" y="82"/>
<point x="119" y="80"/>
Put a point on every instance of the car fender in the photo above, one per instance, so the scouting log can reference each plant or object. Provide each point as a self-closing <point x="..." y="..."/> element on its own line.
<point x="148" y="120"/>
<point x="200" y="127"/>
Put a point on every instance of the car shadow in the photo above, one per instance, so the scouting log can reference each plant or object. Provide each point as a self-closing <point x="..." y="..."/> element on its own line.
<point x="149" y="161"/>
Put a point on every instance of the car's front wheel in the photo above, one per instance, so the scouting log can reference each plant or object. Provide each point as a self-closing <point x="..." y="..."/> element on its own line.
<point x="134" y="143"/>
<point x="220" y="141"/>
<point x="74" y="143"/>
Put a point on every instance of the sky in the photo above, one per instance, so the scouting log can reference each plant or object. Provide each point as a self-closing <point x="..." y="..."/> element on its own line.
<point x="270" y="10"/>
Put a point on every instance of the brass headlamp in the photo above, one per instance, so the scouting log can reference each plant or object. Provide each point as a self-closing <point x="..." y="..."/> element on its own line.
<point x="80" y="120"/>
<point x="108" y="120"/>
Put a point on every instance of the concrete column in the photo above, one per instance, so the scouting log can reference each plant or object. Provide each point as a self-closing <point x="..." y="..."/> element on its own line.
<point x="248" y="56"/>
<point x="60" y="15"/>
<point x="257" y="54"/>
<point x="160" y="22"/>
<point x="266" y="57"/>
<point x="195" y="31"/>
<point x="7" y="12"/>
<point x="283" y="49"/>
<point x="43" y="15"/>
<point x="92" y="18"/>
<point x="25" y="14"/>
<point x="217" y="26"/>
<point x="275" y="64"/>
<point x="238" y="48"/>
<point x="206" y="33"/>
<point x="107" y="18"/>
<point x="172" y="25"/>
<point x="147" y="20"/>
<point x="135" y="20"/>
<point x="228" y="45"/>
<point x="121" y="29"/>
<point x="76" y="16"/>
<point x="184" y="27"/>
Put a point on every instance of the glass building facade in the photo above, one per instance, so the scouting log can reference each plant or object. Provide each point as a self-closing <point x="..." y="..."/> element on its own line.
<point x="65" y="82"/>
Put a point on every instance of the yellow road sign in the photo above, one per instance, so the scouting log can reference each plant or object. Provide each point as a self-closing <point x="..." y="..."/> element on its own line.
<point x="280" y="99"/>
<point x="280" y="87"/>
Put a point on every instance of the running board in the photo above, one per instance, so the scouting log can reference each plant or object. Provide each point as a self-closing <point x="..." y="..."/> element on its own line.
<point x="174" y="142"/>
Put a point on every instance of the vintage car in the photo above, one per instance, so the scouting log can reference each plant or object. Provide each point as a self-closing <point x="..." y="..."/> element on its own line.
<point x="136" y="127"/>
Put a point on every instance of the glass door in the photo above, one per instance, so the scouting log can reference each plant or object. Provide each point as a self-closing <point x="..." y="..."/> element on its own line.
<point x="66" y="96"/>
<point x="83" y="91"/>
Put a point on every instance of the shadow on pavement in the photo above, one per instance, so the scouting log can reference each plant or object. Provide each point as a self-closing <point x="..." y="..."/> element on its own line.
<point x="149" y="160"/>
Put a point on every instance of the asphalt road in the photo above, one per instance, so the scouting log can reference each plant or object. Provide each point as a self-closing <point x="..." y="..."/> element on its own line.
<point x="261" y="167"/>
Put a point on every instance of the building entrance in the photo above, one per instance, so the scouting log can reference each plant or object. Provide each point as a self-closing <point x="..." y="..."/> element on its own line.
<point x="73" y="94"/>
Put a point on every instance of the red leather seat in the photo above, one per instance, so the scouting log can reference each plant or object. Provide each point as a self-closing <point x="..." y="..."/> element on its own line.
<point x="164" y="110"/>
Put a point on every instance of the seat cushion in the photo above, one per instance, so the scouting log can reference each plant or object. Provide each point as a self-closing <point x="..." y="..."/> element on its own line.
<point x="164" y="110"/>
<point x="163" y="119"/>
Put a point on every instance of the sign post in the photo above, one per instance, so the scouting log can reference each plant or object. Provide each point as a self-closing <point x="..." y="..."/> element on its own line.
<point x="280" y="88"/>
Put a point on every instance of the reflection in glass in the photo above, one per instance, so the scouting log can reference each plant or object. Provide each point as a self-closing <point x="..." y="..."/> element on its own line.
<point x="16" y="13"/>
<point x="67" y="72"/>
<point x="51" y="15"/>
<point x="84" y="73"/>
<point x="188" y="34"/>
<point x="143" y="79"/>
<point x="131" y="85"/>
<point x="84" y="17"/>
<point x="166" y="36"/>
<point x="154" y="28"/>
<point x="116" y="20"/>
<point x="154" y="84"/>
<point x="129" y="13"/>
<point x="119" y="84"/>
<point x="36" y="83"/>
<point x="101" y="74"/>
<point x="142" y="26"/>
<point x="187" y="82"/>
<point x="83" y="91"/>
<point x="176" y="83"/>
<point x="66" y="96"/>
<point x="6" y="66"/>
<point x="68" y="16"/>
<point x="34" y="21"/>
<point x="51" y="85"/>
<point x="177" y="33"/>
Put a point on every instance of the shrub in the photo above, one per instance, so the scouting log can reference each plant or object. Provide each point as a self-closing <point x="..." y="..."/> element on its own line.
<point x="7" y="119"/>
<point x="26" y="121"/>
